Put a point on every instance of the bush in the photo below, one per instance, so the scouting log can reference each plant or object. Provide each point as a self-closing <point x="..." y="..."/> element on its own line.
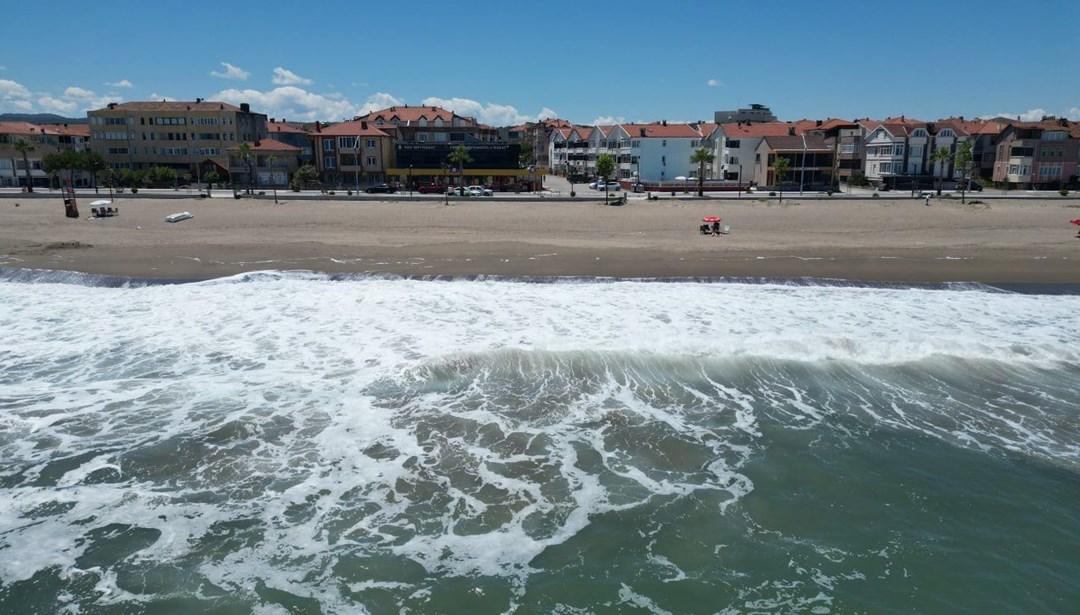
<point x="262" y="193"/>
<point x="134" y="190"/>
<point x="876" y="195"/>
<point x="349" y="193"/>
<point x="772" y="193"/>
<point x="1064" y="192"/>
<point x="572" y="193"/>
<point x="829" y="192"/>
<point x="331" y="193"/>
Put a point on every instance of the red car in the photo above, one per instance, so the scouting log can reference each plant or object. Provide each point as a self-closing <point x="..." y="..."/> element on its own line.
<point x="429" y="189"/>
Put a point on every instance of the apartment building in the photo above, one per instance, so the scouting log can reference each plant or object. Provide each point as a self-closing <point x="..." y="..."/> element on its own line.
<point x="657" y="152"/>
<point x="1038" y="155"/>
<point x="429" y="124"/>
<point x="45" y="139"/>
<point x="751" y="114"/>
<point x="173" y="134"/>
<point x="735" y="146"/>
<point x="356" y="153"/>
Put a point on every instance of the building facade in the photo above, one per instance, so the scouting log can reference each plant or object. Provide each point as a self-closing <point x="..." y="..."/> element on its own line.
<point x="1038" y="155"/>
<point x="810" y="162"/>
<point x="355" y="153"/>
<point x="753" y="113"/>
<point x="44" y="139"/>
<point x="177" y="135"/>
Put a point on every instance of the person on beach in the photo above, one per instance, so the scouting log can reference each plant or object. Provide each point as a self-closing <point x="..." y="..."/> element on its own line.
<point x="927" y="200"/>
<point x="716" y="228"/>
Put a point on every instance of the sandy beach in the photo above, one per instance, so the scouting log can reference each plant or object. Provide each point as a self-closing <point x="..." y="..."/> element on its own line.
<point x="885" y="240"/>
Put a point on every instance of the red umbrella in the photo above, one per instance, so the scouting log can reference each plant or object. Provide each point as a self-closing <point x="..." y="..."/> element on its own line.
<point x="711" y="219"/>
<point x="1075" y="221"/>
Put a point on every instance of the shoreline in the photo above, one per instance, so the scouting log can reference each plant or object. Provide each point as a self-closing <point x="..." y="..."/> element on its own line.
<point x="885" y="242"/>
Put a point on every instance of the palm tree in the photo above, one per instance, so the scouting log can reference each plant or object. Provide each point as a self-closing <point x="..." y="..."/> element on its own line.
<point x="780" y="167"/>
<point x="941" y="155"/>
<point x="458" y="157"/>
<point x="605" y="166"/>
<point x="24" y="147"/>
<point x="245" y="153"/>
<point x="701" y="158"/>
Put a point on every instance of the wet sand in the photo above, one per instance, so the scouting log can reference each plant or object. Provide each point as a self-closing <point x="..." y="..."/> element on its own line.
<point x="874" y="240"/>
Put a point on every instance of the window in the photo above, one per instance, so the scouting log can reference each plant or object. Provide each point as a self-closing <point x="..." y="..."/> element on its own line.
<point x="733" y="160"/>
<point x="115" y="121"/>
<point x="439" y="136"/>
<point x="947" y="133"/>
<point x="422" y="121"/>
<point x="916" y="151"/>
<point x="372" y="161"/>
<point x="694" y="143"/>
<point x="635" y="143"/>
<point x="330" y="162"/>
<point x="920" y="133"/>
<point x="328" y="145"/>
<point x="847" y="148"/>
<point x="370" y="143"/>
<point x="422" y="137"/>
<point x="1056" y="135"/>
<point x="1050" y="171"/>
<point x="347" y="142"/>
<point x="733" y="143"/>
<point x="663" y="143"/>
<point x="438" y="121"/>
<point x="898" y="149"/>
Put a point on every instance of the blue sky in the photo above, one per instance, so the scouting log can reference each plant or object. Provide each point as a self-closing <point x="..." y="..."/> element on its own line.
<point x="507" y="62"/>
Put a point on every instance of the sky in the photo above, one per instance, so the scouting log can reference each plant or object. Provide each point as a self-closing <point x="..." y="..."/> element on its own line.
<point x="507" y="62"/>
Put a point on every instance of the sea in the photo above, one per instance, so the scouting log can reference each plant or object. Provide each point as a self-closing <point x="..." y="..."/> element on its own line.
<point x="295" y="442"/>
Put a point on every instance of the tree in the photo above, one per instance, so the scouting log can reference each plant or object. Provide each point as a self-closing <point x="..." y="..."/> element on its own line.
<point x="211" y="178"/>
<point x="64" y="160"/>
<point x="93" y="163"/>
<point x="962" y="161"/>
<point x="306" y="174"/>
<point x="161" y="177"/>
<point x="605" y="166"/>
<point x="942" y="156"/>
<point x="246" y="155"/>
<point x="702" y="157"/>
<point x="458" y="157"/>
<point x="24" y="147"/>
<point x="780" y="167"/>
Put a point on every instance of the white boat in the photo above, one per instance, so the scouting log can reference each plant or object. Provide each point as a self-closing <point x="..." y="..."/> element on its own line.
<point x="184" y="215"/>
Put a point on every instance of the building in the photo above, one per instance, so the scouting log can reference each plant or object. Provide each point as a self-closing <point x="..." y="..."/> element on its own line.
<point x="293" y="133"/>
<point x="1038" y="155"/>
<point x="810" y="162"/>
<point x="177" y="135"/>
<point x="272" y="164"/>
<point x="45" y="139"/>
<point x="429" y="124"/>
<point x="658" y="152"/>
<point x="735" y="146"/>
<point x="846" y="138"/>
<point x="355" y="153"/>
<point x="755" y="113"/>
<point x="494" y="165"/>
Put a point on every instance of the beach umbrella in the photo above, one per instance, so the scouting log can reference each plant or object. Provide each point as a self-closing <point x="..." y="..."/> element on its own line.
<point x="100" y="203"/>
<point x="1075" y="221"/>
<point x="711" y="219"/>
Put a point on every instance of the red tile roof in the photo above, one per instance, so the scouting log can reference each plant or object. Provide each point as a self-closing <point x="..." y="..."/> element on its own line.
<point x="761" y="129"/>
<point x="71" y="130"/>
<point x="605" y="130"/>
<point x="285" y="127"/>
<point x="19" y="128"/>
<point x="269" y="145"/>
<point x="408" y="115"/>
<point x="661" y="131"/>
<point x="174" y="105"/>
<point x="584" y="132"/>
<point x="351" y="129"/>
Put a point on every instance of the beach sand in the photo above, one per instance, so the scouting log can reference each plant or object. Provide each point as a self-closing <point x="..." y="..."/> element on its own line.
<point x="880" y="240"/>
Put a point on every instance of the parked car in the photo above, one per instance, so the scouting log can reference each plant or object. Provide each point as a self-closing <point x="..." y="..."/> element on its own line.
<point x="610" y="186"/>
<point x="456" y="191"/>
<point x="596" y="184"/>
<point x="381" y="189"/>
<point x="429" y="189"/>
<point x="974" y="186"/>
<point x="479" y="191"/>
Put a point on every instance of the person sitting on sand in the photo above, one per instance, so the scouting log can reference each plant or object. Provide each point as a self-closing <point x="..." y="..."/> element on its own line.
<point x="716" y="228"/>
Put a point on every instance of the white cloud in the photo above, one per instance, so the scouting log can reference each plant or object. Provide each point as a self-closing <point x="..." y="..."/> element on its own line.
<point x="608" y="120"/>
<point x="1034" y="115"/>
<point x="491" y="113"/>
<point x="291" y="102"/>
<point x="546" y="113"/>
<point x="379" y="101"/>
<point x="123" y="83"/>
<point x="287" y="77"/>
<point x="56" y="105"/>
<point x="231" y="72"/>
<point x="713" y="83"/>
<point x="156" y="96"/>
<point x="11" y="90"/>
<point x="21" y="105"/>
<point x="78" y="93"/>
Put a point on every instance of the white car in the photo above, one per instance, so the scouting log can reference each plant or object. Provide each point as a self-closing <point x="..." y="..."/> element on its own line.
<point x="610" y="186"/>
<point x="479" y="191"/>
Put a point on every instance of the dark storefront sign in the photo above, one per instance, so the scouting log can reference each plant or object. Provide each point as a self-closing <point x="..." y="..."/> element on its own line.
<point x="434" y="155"/>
